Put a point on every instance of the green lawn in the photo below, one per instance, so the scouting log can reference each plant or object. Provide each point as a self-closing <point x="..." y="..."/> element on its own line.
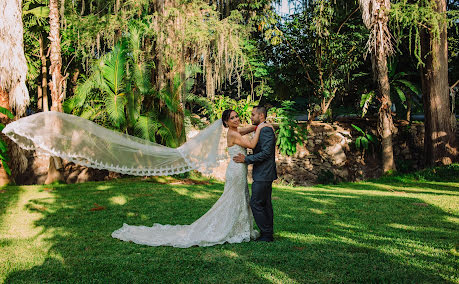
<point x="399" y="229"/>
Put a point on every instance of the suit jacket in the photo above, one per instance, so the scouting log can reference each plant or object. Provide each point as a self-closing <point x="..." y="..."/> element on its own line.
<point x="264" y="157"/>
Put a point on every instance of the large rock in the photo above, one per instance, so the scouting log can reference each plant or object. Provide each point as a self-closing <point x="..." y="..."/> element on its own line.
<point x="73" y="176"/>
<point x="84" y="176"/>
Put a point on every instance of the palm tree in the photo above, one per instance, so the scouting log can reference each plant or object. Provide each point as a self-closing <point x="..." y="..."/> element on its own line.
<point x="13" y="69"/>
<point x="375" y="15"/>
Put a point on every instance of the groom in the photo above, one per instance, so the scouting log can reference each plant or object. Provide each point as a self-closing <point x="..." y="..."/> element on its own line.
<point x="264" y="172"/>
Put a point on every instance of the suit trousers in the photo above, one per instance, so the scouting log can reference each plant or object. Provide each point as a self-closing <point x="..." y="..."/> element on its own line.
<point x="262" y="208"/>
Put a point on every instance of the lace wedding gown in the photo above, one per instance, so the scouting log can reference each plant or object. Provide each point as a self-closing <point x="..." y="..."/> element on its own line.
<point x="229" y="220"/>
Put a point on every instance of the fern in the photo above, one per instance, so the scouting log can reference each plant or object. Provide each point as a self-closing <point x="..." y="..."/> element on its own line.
<point x="146" y="128"/>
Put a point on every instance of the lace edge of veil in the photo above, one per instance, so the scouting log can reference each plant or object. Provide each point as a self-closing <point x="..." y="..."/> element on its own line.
<point x="42" y="149"/>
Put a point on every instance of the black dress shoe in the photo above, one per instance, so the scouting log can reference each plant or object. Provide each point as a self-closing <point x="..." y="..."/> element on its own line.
<point x="264" y="239"/>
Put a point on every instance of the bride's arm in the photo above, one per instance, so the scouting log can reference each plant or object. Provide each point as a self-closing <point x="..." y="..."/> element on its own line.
<point x="248" y="143"/>
<point x="246" y="130"/>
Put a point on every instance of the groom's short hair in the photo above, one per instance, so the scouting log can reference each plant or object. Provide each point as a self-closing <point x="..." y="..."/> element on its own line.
<point x="262" y="109"/>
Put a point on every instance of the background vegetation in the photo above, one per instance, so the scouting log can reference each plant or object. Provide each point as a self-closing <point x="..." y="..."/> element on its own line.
<point x="155" y="68"/>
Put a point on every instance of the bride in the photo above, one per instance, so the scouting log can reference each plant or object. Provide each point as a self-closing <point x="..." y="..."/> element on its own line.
<point x="230" y="218"/>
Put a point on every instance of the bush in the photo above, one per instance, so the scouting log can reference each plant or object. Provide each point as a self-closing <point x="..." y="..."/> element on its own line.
<point x="289" y="133"/>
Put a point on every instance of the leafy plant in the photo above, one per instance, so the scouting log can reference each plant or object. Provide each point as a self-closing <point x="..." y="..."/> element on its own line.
<point x="35" y="22"/>
<point x="3" y="147"/>
<point x="243" y="107"/>
<point x="289" y="133"/>
<point x="113" y="93"/>
<point x="218" y="106"/>
<point x="401" y="88"/>
<point x="404" y="166"/>
<point x="366" y="100"/>
<point x="365" y="139"/>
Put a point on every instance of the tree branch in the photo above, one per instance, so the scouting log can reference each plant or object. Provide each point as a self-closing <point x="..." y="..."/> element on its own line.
<point x="347" y="19"/>
<point x="297" y="55"/>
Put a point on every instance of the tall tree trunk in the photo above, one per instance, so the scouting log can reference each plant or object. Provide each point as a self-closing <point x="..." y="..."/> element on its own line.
<point x="43" y="99"/>
<point x="13" y="70"/>
<point x="385" y="123"/>
<point x="439" y="141"/>
<point x="57" y="82"/>
<point x="227" y="9"/>
<point x="160" y="45"/>
<point x="179" y="116"/>
<point x="210" y="87"/>
<point x="375" y="16"/>
<point x="118" y="33"/>
<point x="164" y="73"/>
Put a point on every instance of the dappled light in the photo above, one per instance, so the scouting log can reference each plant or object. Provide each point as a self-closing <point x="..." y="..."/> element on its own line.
<point x="316" y="211"/>
<point x="366" y="230"/>
<point x="193" y="193"/>
<point x="270" y="274"/>
<point x="102" y="187"/>
<point x="118" y="200"/>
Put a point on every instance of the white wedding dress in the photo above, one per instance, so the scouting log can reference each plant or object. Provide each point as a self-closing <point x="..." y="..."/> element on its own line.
<point x="229" y="220"/>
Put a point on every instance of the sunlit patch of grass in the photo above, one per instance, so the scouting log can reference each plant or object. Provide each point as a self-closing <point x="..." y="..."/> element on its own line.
<point x="102" y="187"/>
<point x="182" y="191"/>
<point x="270" y="274"/>
<point x="316" y="211"/>
<point x="118" y="200"/>
<point x="230" y="254"/>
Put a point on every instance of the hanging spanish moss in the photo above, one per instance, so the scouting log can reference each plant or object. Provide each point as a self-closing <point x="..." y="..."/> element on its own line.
<point x="208" y="34"/>
<point x="410" y="19"/>
<point x="209" y="42"/>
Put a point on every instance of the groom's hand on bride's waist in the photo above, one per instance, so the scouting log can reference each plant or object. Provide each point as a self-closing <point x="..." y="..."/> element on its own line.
<point x="239" y="158"/>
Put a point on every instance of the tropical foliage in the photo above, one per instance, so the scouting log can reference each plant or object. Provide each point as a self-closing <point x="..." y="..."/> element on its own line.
<point x="364" y="140"/>
<point x="154" y="68"/>
<point x="289" y="133"/>
<point x="4" y="158"/>
<point x="404" y="93"/>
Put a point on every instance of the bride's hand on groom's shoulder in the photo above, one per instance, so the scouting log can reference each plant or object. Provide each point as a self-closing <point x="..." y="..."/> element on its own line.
<point x="266" y="125"/>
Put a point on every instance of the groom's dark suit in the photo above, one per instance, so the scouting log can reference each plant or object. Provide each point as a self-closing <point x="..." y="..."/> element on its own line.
<point x="263" y="174"/>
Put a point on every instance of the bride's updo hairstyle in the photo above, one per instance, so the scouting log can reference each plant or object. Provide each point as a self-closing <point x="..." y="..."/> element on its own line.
<point x="225" y="116"/>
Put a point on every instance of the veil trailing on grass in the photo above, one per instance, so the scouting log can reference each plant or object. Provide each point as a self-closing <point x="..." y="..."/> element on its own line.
<point x="83" y="142"/>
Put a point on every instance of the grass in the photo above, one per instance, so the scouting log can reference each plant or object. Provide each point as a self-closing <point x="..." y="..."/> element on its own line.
<point x="400" y="229"/>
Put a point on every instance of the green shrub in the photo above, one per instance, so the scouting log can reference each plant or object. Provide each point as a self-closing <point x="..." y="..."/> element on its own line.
<point x="3" y="147"/>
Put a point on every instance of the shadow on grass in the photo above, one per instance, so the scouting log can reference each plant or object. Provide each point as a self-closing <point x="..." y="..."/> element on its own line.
<point x="400" y="186"/>
<point x="391" y="184"/>
<point x="321" y="236"/>
<point x="8" y="196"/>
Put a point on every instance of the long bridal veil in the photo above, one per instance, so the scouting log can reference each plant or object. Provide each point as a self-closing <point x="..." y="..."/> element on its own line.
<point x="83" y="142"/>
